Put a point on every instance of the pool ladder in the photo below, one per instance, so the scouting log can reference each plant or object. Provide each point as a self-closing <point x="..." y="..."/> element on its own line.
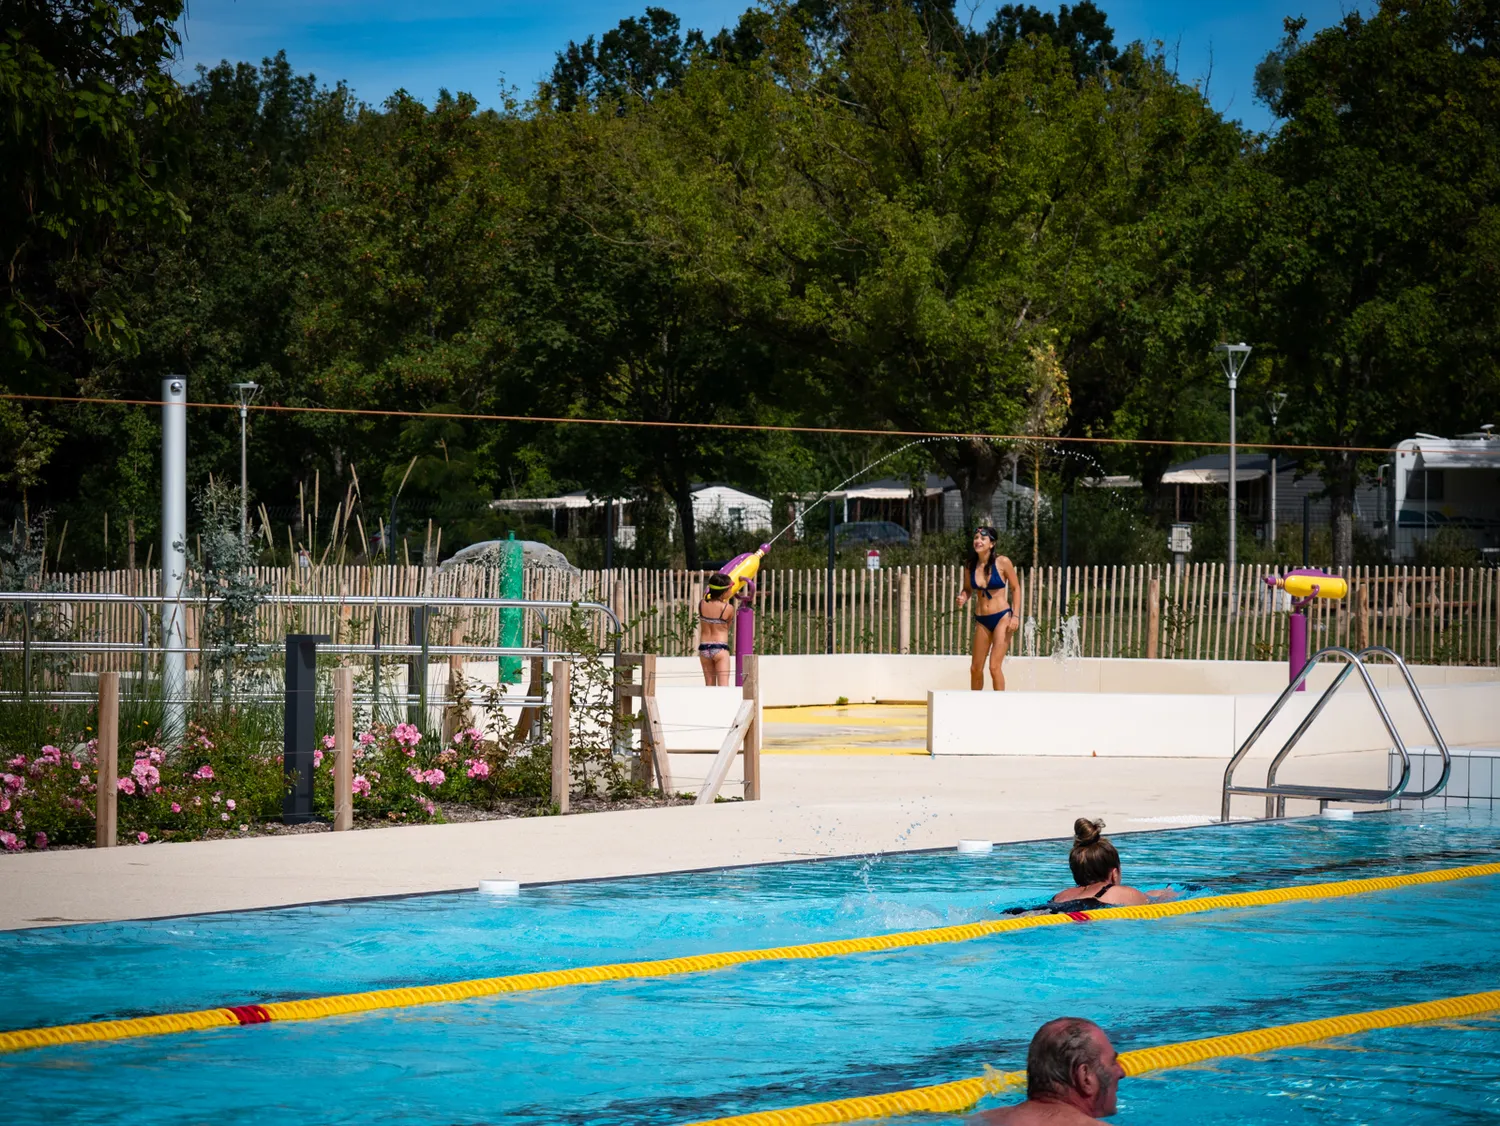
<point x="1276" y="795"/>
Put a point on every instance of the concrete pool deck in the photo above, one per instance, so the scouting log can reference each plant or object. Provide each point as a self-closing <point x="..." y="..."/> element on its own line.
<point x="855" y="791"/>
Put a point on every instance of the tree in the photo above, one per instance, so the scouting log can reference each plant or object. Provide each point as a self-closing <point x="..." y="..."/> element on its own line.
<point x="637" y="58"/>
<point x="87" y="118"/>
<point x="1377" y="262"/>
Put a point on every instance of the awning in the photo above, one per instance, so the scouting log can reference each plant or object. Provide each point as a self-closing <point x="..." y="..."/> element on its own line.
<point x="1472" y="458"/>
<point x="1210" y="476"/>
<point x="883" y="492"/>
<point x="544" y="504"/>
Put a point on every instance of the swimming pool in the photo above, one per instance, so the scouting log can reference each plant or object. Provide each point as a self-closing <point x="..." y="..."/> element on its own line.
<point x="778" y="1034"/>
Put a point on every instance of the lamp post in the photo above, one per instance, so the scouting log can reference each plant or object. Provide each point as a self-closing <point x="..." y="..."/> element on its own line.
<point x="1233" y="357"/>
<point x="246" y="392"/>
<point x="1277" y="401"/>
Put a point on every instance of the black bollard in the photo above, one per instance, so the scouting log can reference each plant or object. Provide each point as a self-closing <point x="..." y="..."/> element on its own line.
<point x="299" y="733"/>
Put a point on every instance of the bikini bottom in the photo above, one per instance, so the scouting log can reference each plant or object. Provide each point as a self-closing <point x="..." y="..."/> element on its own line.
<point x="990" y="621"/>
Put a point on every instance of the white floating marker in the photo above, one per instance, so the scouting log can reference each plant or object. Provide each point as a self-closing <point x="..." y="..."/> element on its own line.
<point x="499" y="887"/>
<point x="966" y="845"/>
<point x="1339" y="814"/>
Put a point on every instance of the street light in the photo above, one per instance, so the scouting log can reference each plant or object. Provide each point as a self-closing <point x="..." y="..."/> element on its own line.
<point x="246" y="392"/>
<point x="1277" y="401"/>
<point x="1233" y="357"/>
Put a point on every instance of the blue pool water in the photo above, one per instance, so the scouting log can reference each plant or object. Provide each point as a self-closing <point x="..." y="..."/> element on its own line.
<point x="777" y="1034"/>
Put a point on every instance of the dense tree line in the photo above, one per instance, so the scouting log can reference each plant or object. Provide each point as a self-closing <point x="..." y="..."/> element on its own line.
<point x="866" y="214"/>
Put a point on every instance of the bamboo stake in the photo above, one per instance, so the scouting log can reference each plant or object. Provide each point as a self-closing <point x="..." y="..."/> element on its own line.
<point x="107" y="763"/>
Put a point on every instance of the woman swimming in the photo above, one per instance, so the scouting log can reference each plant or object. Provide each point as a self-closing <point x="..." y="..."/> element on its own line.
<point x="990" y="579"/>
<point x="714" y="615"/>
<point x="1096" y="870"/>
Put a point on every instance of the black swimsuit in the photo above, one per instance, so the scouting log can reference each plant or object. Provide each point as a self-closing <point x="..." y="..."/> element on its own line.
<point x="1067" y="906"/>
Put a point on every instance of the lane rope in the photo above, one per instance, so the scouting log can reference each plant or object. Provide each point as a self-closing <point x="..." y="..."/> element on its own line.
<point x="343" y="1004"/>
<point x="963" y="1094"/>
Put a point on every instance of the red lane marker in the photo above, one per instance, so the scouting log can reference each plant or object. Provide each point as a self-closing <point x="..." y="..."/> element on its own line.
<point x="1077" y="916"/>
<point x="250" y="1014"/>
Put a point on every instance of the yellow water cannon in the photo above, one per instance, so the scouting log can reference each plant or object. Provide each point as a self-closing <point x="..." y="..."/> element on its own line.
<point x="1312" y="584"/>
<point x="743" y="568"/>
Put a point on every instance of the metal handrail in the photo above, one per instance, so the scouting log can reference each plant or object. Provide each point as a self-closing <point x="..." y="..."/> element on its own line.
<point x="1276" y="794"/>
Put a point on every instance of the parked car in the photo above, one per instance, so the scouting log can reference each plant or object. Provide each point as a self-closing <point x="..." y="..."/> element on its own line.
<point x="870" y="532"/>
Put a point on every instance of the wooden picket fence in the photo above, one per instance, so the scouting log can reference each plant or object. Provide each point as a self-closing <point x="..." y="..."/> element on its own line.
<point x="1428" y="615"/>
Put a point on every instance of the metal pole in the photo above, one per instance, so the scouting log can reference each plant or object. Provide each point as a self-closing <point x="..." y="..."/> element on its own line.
<point x="1307" y="530"/>
<point x="832" y="534"/>
<point x="244" y="510"/>
<point x="1064" y="568"/>
<point x="1233" y="498"/>
<point x="173" y="553"/>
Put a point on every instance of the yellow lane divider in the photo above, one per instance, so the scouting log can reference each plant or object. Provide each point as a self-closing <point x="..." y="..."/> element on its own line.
<point x="347" y="1003"/>
<point x="959" y="1096"/>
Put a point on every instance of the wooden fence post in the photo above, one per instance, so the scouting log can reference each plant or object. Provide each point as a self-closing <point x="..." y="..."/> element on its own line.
<point x="1153" y="618"/>
<point x="561" y="704"/>
<point x="455" y="715"/>
<point x="343" y="749"/>
<point x="1362" y="616"/>
<point x="617" y="604"/>
<point x="531" y="714"/>
<point x="904" y="618"/>
<point x="752" y="732"/>
<point x="107" y="762"/>
<point x="648" y="688"/>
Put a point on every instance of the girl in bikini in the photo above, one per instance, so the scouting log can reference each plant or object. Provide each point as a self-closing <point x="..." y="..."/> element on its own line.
<point x="989" y="579"/>
<point x="714" y="615"/>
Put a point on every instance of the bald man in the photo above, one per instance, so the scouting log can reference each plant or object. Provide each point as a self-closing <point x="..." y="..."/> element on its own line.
<point x="1071" y="1076"/>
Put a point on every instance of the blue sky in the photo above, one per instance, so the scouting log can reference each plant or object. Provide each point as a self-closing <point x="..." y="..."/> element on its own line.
<point x="379" y="46"/>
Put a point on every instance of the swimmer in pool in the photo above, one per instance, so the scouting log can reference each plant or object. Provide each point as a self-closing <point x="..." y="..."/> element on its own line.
<point x="1096" y="869"/>
<point x="992" y="582"/>
<point x="1072" y="1074"/>
<point x="714" y="615"/>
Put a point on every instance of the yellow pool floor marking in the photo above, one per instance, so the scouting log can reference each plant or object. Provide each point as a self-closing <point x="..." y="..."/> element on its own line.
<point x="854" y="729"/>
<point x="344" y="1004"/>
<point x="961" y="1095"/>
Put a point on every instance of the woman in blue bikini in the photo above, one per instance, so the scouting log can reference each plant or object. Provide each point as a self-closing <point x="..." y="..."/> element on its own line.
<point x="714" y="615"/>
<point x="990" y="580"/>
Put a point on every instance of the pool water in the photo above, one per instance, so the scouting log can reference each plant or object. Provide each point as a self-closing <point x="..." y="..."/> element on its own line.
<point x="777" y="1034"/>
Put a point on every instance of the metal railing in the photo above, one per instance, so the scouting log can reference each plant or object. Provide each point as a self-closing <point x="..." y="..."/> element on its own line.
<point x="1276" y="793"/>
<point x="29" y="646"/>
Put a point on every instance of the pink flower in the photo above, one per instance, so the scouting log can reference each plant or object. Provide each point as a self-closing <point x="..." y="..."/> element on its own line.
<point x="126" y="785"/>
<point x="329" y="742"/>
<point x="13" y="782"/>
<point x="176" y="808"/>
<point x="198" y="801"/>
<point x="317" y="759"/>
<point x="230" y="803"/>
<point x="217" y="799"/>
<point x="11" y="842"/>
<point x="51" y="754"/>
<point x="143" y="836"/>
<point x="365" y="738"/>
<point x="145" y="774"/>
<point x="407" y="735"/>
<point x="155" y="755"/>
<point x="19" y="760"/>
<point x="478" y="768"/>
<point x="75" y="764"/>
<point x="434" y="777"/>
<point x="223" y="817"/>
<point x="244" y="828"/>
<point x="361" y="785"/>
<point x="4" y="804"/>
<point x="41" y="840"/>
<point x="204" y="773"/>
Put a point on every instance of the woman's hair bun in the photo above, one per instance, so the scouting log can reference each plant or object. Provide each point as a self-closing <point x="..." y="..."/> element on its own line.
<point x="1086" y="832"/>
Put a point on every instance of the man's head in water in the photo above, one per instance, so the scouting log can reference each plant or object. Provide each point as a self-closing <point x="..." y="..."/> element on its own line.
<point x="1072" y="1062"/>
